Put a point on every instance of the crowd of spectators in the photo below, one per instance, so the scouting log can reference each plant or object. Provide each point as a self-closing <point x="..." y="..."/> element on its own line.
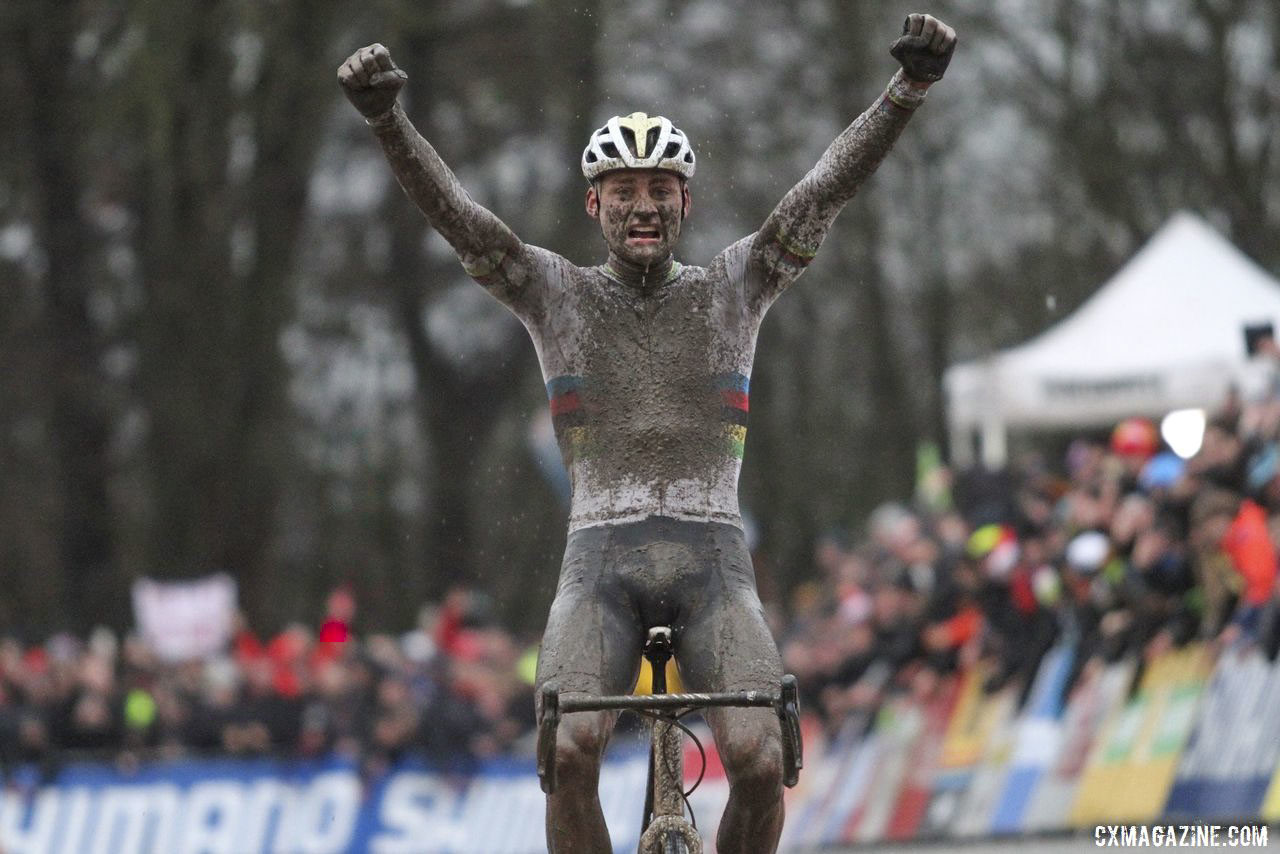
<point x="1124" y="549"/>
<point x="455" y="689"/>
<point x="1128" y="550"/>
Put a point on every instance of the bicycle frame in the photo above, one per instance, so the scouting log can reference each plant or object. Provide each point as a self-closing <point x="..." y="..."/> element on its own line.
<point x="664" y="826"/>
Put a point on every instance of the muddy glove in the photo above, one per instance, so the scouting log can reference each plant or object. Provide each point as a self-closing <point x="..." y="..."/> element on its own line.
<point x="925" y="48"/>
<point x="371" y="80"/>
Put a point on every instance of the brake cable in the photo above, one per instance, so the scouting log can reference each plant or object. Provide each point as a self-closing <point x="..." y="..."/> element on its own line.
<point x="702" y="754"/>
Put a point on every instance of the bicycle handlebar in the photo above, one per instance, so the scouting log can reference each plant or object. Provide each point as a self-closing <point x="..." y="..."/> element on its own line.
<point x="784" y="702"/>
<point x="666" y="702"/>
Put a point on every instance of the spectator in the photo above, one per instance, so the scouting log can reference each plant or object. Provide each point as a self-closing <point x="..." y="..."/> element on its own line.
<point x="1232" y="531"/>
<point x="1020" y="628"/>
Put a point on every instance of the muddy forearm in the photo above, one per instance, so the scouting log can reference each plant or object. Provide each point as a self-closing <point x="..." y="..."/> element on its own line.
<point x="858" y="150"/>
<point x="791" y="235"/>
<point x="474" y="232"/>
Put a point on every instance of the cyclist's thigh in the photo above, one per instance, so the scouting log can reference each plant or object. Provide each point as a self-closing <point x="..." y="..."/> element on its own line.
<point x="592" y="640"/>
<point x="725" y="644"/>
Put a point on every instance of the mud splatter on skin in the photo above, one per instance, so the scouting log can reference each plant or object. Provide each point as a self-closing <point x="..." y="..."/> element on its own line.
<point x="624" y="208"/>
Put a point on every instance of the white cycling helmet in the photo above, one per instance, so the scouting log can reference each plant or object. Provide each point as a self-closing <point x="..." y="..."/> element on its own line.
<point x="638" y="141"/>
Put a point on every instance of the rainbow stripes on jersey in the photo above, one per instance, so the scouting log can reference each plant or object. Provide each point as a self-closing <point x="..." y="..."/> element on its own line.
<point x="569" y="399"/>
<point x="734" y="391"/>
<point x="791" y="252"/>
<point x="569" y="415"/>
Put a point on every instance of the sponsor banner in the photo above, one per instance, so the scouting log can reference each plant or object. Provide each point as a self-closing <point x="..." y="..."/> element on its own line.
<point x="804" y="800"/>
<point x="328" y="807"/>
<point x="898" y="728"/>
<point x="850" y="790"/>
<point x="978" y="805"/>
<point x="1039" y="735"/>
<point x="1132" y="765"/>
<point x="1271" y="803"/>
<point x="1234" y="747"/>
<point x="1097" y="695"/>
<point x="945" y="797"/>
<point x="280" y="807"/>
<point x="970" y="724"/>
<point x="832" y="785"/>
<point x="183" y="620"/>
<point x="922" y="765"/>
<point x="968" y="729"/>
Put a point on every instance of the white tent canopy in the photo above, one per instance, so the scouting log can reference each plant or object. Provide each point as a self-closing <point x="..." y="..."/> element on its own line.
<point x="1165" y="333"/>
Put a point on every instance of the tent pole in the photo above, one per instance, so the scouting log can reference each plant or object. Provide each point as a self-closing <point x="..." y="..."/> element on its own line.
<point x="995" y="450"/>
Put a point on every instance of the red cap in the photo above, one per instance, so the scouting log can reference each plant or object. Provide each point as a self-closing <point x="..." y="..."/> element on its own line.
<point x="1135" y="437"/>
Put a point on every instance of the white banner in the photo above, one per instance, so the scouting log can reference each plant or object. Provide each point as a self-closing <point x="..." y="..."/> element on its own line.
<point x="182" y="620"/>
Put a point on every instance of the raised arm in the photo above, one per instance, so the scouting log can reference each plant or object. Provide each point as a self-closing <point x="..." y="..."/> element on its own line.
<point x="490" y="252"/>
<point x="790" y="236"/>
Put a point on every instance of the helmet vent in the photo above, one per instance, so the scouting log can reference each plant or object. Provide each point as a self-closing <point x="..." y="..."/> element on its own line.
<point x="672" y="150"/>
<point x="610" y="150"/>
<point x="651" y="139"/>
<point x="629" y="138"/>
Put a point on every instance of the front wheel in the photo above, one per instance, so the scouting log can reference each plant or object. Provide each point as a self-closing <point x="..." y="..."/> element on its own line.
<point x="673" y="843"/>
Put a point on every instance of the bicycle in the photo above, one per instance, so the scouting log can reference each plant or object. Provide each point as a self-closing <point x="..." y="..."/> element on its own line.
<point x="665" y="829"/>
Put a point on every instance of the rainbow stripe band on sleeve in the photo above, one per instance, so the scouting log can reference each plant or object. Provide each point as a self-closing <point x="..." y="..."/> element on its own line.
<point x="792" y="254"/>
<point x="564" y="394"/>
<point x="891" y="102"/>
<point x="487" y="269"/>
<point x="903" y="94"/>
<point x="733" y="389"/>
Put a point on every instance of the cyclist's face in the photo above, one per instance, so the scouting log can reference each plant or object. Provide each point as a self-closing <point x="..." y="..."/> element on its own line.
<point x="640" y="212"/>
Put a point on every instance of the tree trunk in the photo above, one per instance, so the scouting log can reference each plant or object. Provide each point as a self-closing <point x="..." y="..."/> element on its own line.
<point x="59" y="113"/>
<point x="218" y="251"/>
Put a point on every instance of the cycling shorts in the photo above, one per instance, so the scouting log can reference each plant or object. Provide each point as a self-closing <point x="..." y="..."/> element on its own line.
<point x="617" y="581"/>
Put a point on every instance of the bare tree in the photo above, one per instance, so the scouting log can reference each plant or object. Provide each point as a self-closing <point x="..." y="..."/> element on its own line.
<point x="50" y="88"/>
<point x="1149" y="107"/>
<point x="224" y="110"/>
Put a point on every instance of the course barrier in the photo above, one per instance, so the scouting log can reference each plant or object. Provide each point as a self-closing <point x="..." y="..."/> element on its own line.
<point x="1193" y="740"/>
<point x="1234" y="748"/>
<point x="1132" y="764"/>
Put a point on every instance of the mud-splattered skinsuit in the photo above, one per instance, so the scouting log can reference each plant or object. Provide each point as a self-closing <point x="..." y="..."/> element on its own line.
<point x="648" y="378"/>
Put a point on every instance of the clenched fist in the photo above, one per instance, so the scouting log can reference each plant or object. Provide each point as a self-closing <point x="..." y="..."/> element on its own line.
<point x="371" y="80"/>
<point x="925" y="48"/>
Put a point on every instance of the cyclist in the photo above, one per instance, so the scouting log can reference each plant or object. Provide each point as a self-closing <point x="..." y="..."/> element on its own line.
<point x="647" y="364"/>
